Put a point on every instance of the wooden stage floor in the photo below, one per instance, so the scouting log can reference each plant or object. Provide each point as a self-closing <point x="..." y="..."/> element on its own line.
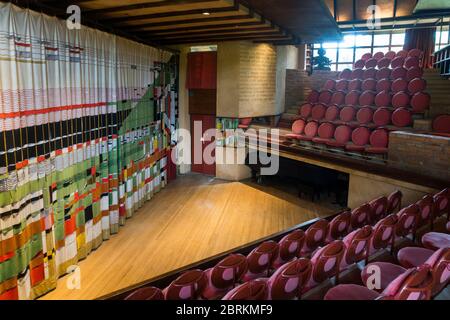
<point x="193" y="218"/>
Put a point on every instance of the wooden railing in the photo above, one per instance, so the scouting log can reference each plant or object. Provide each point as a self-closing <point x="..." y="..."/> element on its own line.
<point x="442" y="61"/>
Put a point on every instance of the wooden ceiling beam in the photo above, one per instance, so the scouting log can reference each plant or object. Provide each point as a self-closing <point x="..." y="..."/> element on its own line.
<point x="264" y="39"/>
<point x="209" y="27"/>
<point x="187" y="21"/>
<point x="169" y="14"/>
<point x="272" y="35"/>
<point x="142" y="6"/>
<point x="209" y="32"/>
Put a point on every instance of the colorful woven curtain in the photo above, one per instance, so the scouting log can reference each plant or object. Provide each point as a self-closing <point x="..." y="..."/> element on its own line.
<point x="80" y="148"/>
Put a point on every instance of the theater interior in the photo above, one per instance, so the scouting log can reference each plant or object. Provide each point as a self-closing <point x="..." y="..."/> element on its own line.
<point x="224" y="150"/>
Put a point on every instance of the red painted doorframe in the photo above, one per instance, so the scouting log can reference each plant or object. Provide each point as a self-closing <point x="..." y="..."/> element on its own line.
<point x="207" y="122"/>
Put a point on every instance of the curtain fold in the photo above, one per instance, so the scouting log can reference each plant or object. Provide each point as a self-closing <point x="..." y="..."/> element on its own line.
<point x="80" y="148"/>
<point x="423" y="39"/>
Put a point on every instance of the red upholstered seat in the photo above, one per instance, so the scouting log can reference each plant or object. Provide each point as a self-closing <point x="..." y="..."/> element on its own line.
<point x="382" y="117"/>
<point x="310" y="131"/>
<point x="332" y="113"/>
<point x="376" y="150"/>
<point x="383" y="85"/>
<point x="397" y="62"/>
<point x="399" y="85"/>
<point x="383" y="233"/>
<point x="370" y="73"/>
<point x="411" y="62"/>
<point x="367" y="98"/>
<point x="260" y="260"/>
<point x="401" y="99"/>
<point x="359" y="64"/>
<point x="305" y="110"/>
<point x="420" y="102"/>
<point x="410" y="257"/>
<point x="325" y="96"/>
<point x="354" y="147"/>
<point x="339" y="226"/>
<point x="398" y="73"/>
<point x="313" y="96"/>
<point x="379" y="138"/>
<point x="289" y="280"/>
<point x="402" y="53"/>
<point x="347" y="114"/>
<point x="360" y="216"/>
<point x="329" y="84"/>
<point x="289" y="248"/>
<point x="342" y="135"/>
<point x="417" y="85"/>
<point x="147" y="293"/>
<point x="436" y="240"/>
<point x="441" y="124"/>
<point x="298" y="127"/>
<point x="366" y="56"/>
<point x="439" y="263"/>
<point x="357" y="246"/>
<point x="426" y="207"/>
<point x="354" y="84"/>
<point x="369" y="85"/>
<point x="384" y="63"/>
<point x="390" y="54"/>
<point x="352" y="98"/>
<point x="188" y="286"/>
<point x="371" y="63"/>
<point x="294" y="136"/>
<point x="357" y="74"/>
<point x="379" y="208"/>
<point x="318" y="111"/>
<point x="224" y="275"/>
<point x="251" y="290"/>
<point x="401" y="117"/>
<point x="364" y="115"/>
<point x="378" y="56"/>
<point x="345" y="74"/>
<point x="351" y="292"/>
<point x="341" y="85"/>
<point x="415" y="53"/>
<point x="383" y="73"/>
<point x="315" y="236"/>
<point x="442" y="203"/>
<point x="414" y="72"/>
<point x="413" y="284"/>
<point x="360" y="136"/>
<point x="388" y="272"/>
<point x="407" y="221"/>
<point x="394" y="201"/>
<point x="383" y="99"/>
<point x="325" y="133"/>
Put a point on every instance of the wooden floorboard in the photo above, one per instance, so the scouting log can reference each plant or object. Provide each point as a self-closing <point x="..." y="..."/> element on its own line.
<point x="193" y="218"/>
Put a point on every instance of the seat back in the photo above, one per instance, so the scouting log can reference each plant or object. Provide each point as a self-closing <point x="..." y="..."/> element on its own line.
<point x="414" y="284"/>
<point x="357" y="245"/>
<point x="440" y="264"/>
<point x="361" y="216"/>
<point x="229" y="271"/>
<point x="442" y="202"/>
<point x="407" y="220"/>
<point x="383" y="232"/>
<point x="379" y="207"/>
<point x="426" y="208"/>
<point x="316" y="234"/>
<point x="291" y="245"/>
<point x="394" y="202"/>
<point x="251" y="290"/>
<point x="262" y="257"/>
<point x="326" y="261"/>
<point x="187" y="286"/>
<point x="147" y="293"/>
<point x="289" y="280"/>
<point x="340" y="225"/>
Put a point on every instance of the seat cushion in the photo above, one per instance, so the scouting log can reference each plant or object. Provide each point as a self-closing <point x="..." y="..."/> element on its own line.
<point x="411" y="257"/>
<point x="351" y="292"/>
<point x="436" y="240"/>
<point x="388" y="272"/>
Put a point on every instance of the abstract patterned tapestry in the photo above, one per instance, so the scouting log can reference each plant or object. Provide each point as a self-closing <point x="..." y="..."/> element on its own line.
<point x="85" y="122"/>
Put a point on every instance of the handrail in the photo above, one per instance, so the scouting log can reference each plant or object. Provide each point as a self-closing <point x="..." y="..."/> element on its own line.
<point x="442" y="61"/>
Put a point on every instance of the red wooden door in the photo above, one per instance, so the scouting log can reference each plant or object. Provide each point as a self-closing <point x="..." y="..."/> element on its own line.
<point x="200" y="141"/>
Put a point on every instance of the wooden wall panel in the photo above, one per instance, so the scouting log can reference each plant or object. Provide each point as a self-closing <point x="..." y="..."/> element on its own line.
<point x="202" y="101"/>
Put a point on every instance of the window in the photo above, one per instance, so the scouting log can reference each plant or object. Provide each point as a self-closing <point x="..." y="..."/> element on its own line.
<point x="442" y="38"/>
<point x="204" y="48"/>
<point x="354" y="45"/>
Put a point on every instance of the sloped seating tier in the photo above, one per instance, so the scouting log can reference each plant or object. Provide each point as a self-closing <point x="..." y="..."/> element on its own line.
<point x="303" y="259"/>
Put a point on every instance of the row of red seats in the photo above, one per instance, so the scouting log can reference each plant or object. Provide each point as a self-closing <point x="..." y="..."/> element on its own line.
<point x="360" y="139"/>
<point x="412" y="57"/>
<point x="345" y="241"/>
<point x="354" y="116"/>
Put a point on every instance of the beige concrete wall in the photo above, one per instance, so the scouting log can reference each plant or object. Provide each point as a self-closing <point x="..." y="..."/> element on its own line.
<point x="287" y="58"/>
<point x="228" y="64"/>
